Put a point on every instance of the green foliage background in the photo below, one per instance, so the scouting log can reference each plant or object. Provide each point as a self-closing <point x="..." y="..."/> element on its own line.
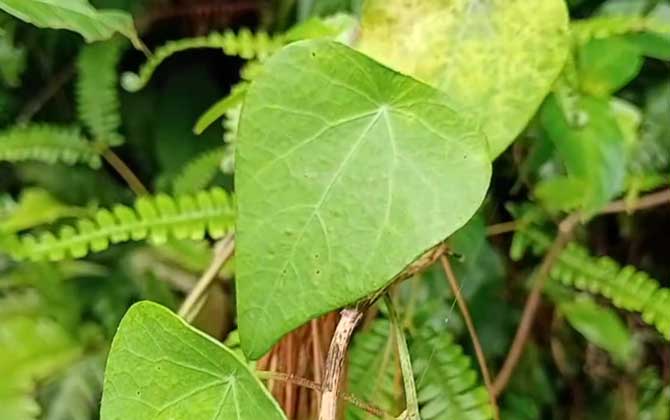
<point x="78" y="248"/>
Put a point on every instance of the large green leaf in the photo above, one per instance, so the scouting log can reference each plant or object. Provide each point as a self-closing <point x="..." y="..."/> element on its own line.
<point x="346" y="158"/>
<point x="74" y="15"/>
<point x="497" y="58"/>
<point x="161" y="368"/>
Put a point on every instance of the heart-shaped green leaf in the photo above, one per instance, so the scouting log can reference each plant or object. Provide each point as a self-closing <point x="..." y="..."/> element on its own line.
<point x="347" y="171"/>
<point x="497" y="58"/>
<point x="161" y="368"/>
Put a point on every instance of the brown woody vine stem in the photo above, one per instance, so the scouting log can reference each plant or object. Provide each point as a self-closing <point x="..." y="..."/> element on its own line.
<point x="337" y="352"/>
<point x="566" y="228"/>
<point x="453" y="283"/>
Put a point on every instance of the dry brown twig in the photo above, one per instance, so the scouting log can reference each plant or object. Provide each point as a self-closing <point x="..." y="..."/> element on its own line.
<point x="533" y="302"/>
<point x="304" y="382"/>
<point x="349" y="318"/>
<point x="223" y="250"/>
<point x="481" y="359"/>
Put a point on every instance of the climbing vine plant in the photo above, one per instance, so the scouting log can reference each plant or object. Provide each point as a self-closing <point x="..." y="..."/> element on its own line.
<point x="357" y="163"/>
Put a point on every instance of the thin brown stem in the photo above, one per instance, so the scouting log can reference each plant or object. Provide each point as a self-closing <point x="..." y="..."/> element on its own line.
<point x="619" y="206"/>
<point x="337" y="352"/>
<point x="289" y="388"/>
<point x="223" y="250"/>
<point x="455" y="288"/>
<point x="124" y="172"/>
<point x="645" y="202"/>
<point x="501" y="228"/>
<point x="42" y="98"/>
<point x="566" y="228"/>
<point x="306" y="383"/>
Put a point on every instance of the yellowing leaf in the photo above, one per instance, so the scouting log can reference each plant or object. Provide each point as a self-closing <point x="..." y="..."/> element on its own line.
<point x="495" y="58"/>
<point x="364" y="158"/>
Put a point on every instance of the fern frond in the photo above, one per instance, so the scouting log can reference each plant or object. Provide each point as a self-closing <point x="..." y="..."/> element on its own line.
<point x="97" y="90"/>
<point x="606" y="26"/>
<point x="155" y="218"/>
<point x="627" y="287"/>
<point x="49" y="144"/>
<point x="374" y="369"/>
<point x="230" y="127"/>
<point x="198" y="173"/>
<point x="244" y="44"/>
<point x="231" y="124"/>
<point x="447" y="386"/>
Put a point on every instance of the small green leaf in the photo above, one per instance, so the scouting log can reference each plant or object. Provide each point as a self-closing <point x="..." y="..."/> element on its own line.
<point x="593" y="149"/>
<point x="12" y="57"/>
<point x="218" y="109"/>
<point x="601" y="326"/>
<point x="497" y="58"/>
<point x="607" y="65"/>
<point x="161" y="368"/>
<point x="562" y="193"/>
<point x="74" y="15"/>
<point x="37" y="207"/>
<point x="364" y="157"/>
